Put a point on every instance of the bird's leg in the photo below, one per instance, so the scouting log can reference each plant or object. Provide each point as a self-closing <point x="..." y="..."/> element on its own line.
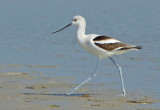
<point x="120" y="72"/>
<point x="85" y="81"/>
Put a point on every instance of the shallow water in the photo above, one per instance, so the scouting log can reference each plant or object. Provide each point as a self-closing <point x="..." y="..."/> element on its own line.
<point x="27" y="46"/>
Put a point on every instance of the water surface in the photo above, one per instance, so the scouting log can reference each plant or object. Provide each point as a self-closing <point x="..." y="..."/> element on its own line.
<point x="26" y="44"/>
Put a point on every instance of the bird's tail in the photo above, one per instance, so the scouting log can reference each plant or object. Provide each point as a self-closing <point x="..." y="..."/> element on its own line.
<point x="131" y="48"/>
<point x="138" y="47"/>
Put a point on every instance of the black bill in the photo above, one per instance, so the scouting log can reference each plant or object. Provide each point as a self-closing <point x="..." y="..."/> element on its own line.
<point x="62" y="28"/>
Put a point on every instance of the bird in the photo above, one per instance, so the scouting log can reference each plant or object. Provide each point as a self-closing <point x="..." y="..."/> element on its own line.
<point x="100" y="45"/>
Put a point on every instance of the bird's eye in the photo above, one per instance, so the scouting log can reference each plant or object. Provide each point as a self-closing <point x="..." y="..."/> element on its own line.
<point x="75" y="19"/>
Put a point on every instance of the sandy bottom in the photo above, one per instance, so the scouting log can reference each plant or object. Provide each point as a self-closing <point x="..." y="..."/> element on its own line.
<point x="21" y="91"/>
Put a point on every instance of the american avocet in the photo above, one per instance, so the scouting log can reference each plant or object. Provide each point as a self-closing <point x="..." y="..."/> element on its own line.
<point x="99" y="45"/>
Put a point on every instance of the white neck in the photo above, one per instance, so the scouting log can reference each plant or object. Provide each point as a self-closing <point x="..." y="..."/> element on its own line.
<point x="81" y="30"/>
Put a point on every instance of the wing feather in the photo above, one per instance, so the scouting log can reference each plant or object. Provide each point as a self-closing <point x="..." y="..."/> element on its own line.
<point x="111" y="44"/>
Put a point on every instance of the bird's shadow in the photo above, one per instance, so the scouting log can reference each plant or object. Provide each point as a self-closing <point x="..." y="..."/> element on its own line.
<point x="57" y="94"/>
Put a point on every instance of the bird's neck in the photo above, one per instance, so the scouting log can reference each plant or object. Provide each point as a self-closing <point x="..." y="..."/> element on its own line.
<point x="81" y="30"/>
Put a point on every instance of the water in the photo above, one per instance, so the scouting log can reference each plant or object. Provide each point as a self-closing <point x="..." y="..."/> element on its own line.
<point x="26" y="42"/>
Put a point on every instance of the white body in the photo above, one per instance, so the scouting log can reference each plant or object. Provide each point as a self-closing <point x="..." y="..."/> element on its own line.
<point x="86" y="41"/>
